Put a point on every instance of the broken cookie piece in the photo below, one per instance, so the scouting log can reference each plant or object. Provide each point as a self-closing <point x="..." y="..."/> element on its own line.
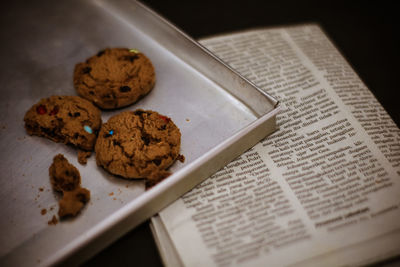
<point x="65" y="178"/>
<point x="65" y="119"/>
<point x="73" y="201"/>
<point x="83" y="156"/>
<point x="63" y="175"/>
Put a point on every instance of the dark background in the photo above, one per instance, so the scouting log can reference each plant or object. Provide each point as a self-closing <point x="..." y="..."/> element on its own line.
<point x="366" y="33"/>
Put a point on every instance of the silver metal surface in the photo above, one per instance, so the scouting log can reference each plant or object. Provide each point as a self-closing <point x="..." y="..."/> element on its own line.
<point x="220" y="115"/>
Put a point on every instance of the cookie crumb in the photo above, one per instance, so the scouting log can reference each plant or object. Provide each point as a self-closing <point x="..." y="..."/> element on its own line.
<point x="43" y="211"/>
<point x="53" y="221"/>
<point x="41" y="189"/>
<point x="83" y="156"/>
<point x="181" y="158"/>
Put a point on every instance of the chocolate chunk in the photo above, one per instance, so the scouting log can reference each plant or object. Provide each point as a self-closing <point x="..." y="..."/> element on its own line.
<point x="145" y="139"/>
<point x="124" y="89"/>
<point x="86" y="70"/>
<point x="131" y="58"/>
<point x="157" y="162"/>
<point x="116" y="143"/>
<point x="74" y="115"/>
<point x="139" y="112"/>
<point x="48" y="132"/>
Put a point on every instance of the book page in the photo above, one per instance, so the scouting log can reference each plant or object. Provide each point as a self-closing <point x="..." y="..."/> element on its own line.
<point x="328" y="179"/>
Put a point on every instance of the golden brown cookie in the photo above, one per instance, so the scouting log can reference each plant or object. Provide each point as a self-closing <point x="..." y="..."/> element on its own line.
<point x="138" y="144"/>
<point x="65" y="178"/>
<point x="65" y="119"/>
<point x="114" y="78"/>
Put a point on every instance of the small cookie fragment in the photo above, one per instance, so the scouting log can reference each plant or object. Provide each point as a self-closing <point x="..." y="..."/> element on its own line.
<point x="138" y="144"/>
<point x="73" y="201"/>
<point x="63" y="175"/>
<point x="53" y="220"/>
<point x="65" y="119"/>
<point x="83" y="156"/>
<point x="114" y="77"/>
<point x="65" y="178"/>
<point x="181" y="158"/>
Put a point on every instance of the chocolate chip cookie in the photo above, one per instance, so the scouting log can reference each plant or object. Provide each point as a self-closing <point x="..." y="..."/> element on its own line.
<point x="65" y="119"/>
<point x="138" y="144"/>
<point x="114" y="78"/>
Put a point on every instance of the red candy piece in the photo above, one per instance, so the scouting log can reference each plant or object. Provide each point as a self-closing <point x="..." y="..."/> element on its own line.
<point x="164" y="118"/>
<point x="41" y="110"/>
<point x="54" y="111"/>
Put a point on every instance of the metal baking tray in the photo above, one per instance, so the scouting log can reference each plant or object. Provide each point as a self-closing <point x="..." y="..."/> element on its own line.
<point x="220" y="115"/>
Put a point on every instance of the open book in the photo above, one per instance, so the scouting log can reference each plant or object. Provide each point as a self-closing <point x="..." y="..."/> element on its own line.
<point x="323" y="190"/>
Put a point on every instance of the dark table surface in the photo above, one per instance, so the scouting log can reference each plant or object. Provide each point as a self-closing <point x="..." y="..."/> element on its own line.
<point x="365" y="32"/>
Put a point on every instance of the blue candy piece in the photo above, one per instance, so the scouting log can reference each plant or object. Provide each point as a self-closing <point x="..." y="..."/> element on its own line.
<point x="111" y="132"/>
<point x="88" y="129"/>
